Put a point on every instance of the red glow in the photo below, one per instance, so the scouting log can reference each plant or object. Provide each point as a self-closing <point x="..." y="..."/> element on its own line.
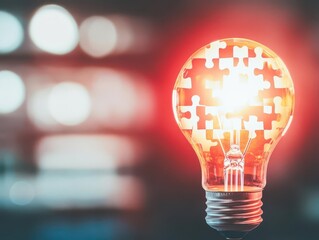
<point x="280" y="30"/>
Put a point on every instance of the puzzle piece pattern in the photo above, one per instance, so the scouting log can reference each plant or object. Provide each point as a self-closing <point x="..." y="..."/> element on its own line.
<point x="220" y="66"/>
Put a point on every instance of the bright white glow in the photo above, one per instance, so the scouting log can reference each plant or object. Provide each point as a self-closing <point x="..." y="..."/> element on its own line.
<point x="235" y="96"/>
<point x="21" y="193"/>
<point x="98" y="36"/>
<point x="11" y="32"/>
<point x="237" y="93"/>
<point x="12" y="92"/>
<point x="53" y="29"/>
<point x="86" y="152"/>
<point x="69" y="103"/>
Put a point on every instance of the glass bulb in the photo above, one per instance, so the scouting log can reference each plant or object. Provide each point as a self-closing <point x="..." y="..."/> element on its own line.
<point x="233" y="100"/>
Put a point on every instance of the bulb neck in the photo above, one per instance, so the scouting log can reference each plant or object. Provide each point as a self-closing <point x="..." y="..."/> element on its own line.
<point x="234" y="214"/>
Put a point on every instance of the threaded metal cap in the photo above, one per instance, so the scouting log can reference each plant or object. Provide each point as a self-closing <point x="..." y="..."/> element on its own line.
<point x="234" y="214"/>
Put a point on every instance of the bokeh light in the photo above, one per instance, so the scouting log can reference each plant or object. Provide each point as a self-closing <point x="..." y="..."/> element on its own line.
<point x="121" y="100"/>
<point x="118" y="99"/>
<point x="115" y="34"/>
<point x="12" y="92"/>
<point x="38" y="108"/>
<point x="310" y="206"/>
<point x="73" y="190"/>
<point x="86" y="152"/>
<point x="11" y="32"/>
<point x="99" y="190"/>
<point x="69" y="103"/>
<point x="98" y="36"/>
<point x="54" y="30"/>
<point x="134" y="34"/>
<point x="21" y="193"/>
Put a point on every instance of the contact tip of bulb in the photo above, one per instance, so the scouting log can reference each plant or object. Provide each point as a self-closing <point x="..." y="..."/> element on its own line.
<point x="233" y="235"/>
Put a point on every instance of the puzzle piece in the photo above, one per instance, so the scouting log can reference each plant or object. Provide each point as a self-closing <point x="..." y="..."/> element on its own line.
<point x="268" y="72"/>
<point x="257" y="58"/>
<point x="185" y="83"/>
<point x="188" y="115"/>
<point x="227" y="52"/>
<point x="259" y="84"/>
<point x="252" y="125"/>
<point x="200" y="111"/>
<point x="240" y="55"/>
<point x="269" y="113"/>
<point x="240" y="52"/>
<point x="271" y="93"/>
<point x="218" y="136"/>
<point x="200" y="136"/>
<point x="208" y="117"/>
<point x="278" y="106"/>
<point x="212" y="121"/>
<point x="199" y="76"/>
<point x="268" y="109"/>
<point x="212" y="52"/>
<point x="199" y="71"/>
<point x="259" y="112"/>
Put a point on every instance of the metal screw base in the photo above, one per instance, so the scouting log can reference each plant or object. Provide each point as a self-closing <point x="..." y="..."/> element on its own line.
<point x="233" y="214"/>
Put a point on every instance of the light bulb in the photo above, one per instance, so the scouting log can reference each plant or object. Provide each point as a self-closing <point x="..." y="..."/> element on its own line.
<point x="233" y="100"/>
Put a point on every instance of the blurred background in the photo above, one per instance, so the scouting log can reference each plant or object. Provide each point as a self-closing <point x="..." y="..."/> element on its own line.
<point x="88" y="145"/>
